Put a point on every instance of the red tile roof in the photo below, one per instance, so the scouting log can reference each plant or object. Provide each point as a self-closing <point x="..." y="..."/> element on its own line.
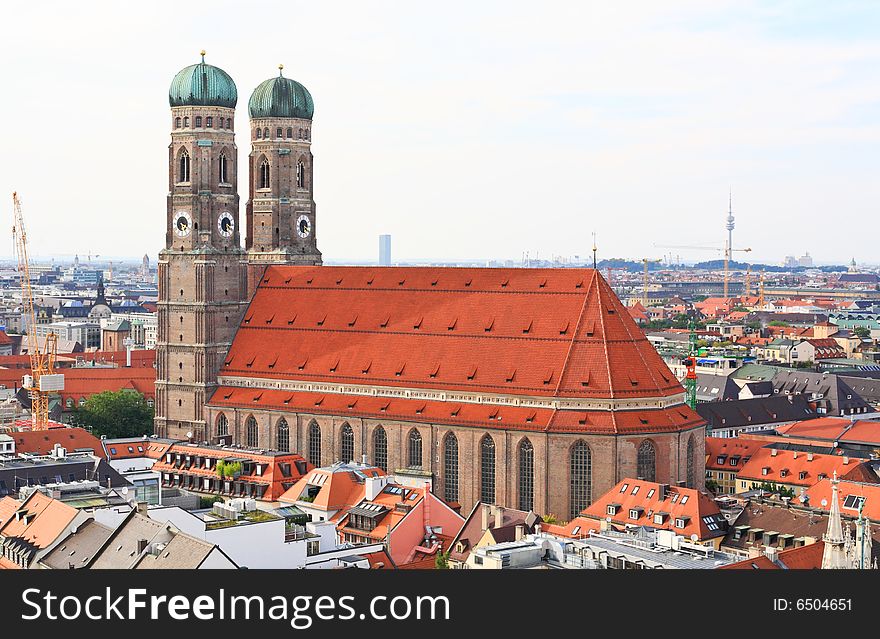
<point x="41" y="442"/>
<point x="720" y="451"/>
<point x="870" y="491"/>
<point x="549" y="332"/>
<point x="800" y="558"/>
<point x="5" y="340"/>
<point x="834" y="429"/>
<point x="646" y="499"/>
<point x="786" y="467"/>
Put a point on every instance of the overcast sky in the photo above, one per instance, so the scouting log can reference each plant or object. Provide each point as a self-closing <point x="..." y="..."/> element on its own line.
<point x="469" y="129"/>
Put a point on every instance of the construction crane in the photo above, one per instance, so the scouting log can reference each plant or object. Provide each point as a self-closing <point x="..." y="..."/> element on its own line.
<point x="761" y="292"/>
<point x="727" y="252"/>
<point x="43" y="380"/>
<point x="646" y="262"/>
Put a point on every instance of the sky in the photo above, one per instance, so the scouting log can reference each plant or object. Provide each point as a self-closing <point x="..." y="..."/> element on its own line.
<point x="469" y="130"/>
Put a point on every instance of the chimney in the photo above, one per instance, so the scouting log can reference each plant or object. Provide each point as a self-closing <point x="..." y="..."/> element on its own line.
<point x="809" y="456"/>
<point x="662" y="490"/>
<point x="142" y="507"/>
<point x="520" y="532"/>
<point x="364" y="459"/>
<point x="794" y="455"/>
<point x="845" y="461"/>
<point x="498" y="513"/>
<point x="141" y="545"/>
<point x="484" y="521"/>
<point x="773" y="452"/>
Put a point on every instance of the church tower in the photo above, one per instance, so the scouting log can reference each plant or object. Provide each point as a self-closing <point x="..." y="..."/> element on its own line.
<point x="202" y="269"/>
<point x="281" y="206"/>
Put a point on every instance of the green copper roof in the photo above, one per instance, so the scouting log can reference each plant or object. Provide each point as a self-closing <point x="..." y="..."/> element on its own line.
<point x="281" y="98"/>
<point x="202" y="85"/>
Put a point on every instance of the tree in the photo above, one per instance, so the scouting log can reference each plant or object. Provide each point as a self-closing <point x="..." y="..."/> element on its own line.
<point x="227" y="469"/>
<point x="441" y="561"/>
<point x="778" y="323"/>
<point x="112" y="414"/>
<point x="862" y="331"/>
<point x="550" y="518"/>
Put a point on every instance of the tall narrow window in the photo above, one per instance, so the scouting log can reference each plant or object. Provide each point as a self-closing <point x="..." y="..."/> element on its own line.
<point x="526" y="478"/>
<point x="380" y="448"/>
<point x="278" y="132"/>
<point x="282" y="435"/>
<point x="646" y="461"/>
<point x="228" y="123"/>
<point x="315" y="444"/>
<point x="183" y="172"/>
<point x="209" y="122"/>
<point x="347" y="439"/>
<point x="251" y="432"/>
<point x="224" y="178"/>
<point x="414" y="459"/>
<point x="264" y="174"/>
<point x="487" y="470"/>
<point x="259" y="134"/>
<point x="266" y="133"/>
<point x="222" y="425"/>
<point x="300" y="134"/>
<point x="450" y="468"/>
<point x="301" y="175"/>
<point x="186" y="121"/>
<point x="198" y="121"/>
<point x="580" y="479"/>
<point x="690" y="462"/>
<point x="176" y="123"/>
<point x="289" y="132"/>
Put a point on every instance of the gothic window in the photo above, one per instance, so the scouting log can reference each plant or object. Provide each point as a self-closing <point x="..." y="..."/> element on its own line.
<point x="487" y="470"/>
<point x="380" y="448"/>
<point x="415" y="449"/>
<point x="690" y="462"/>
<point x="347" y="443"/>
<point x="315" y="444"/>
<point x="209" y="122"/>
<point x="282" y="435"/>
<point x="183" y="172"/>
<point x="176" y="123"/>
<point x="198" y="121"/>
<point x="300" y="175"/>
<point x="289" y="132"/>
<point x="526" y="478"/>
<point x="251" y="434"/>
<point x="450" y="468"/>
<point x="580" y="479"/>
<point x="222" y="425"/>
<point x="264" y="174"/>
<point x="224" y="177"/>
<point x="278" y="132"/>
<point x="259" y="134"/>
<point x="646" y="461"/>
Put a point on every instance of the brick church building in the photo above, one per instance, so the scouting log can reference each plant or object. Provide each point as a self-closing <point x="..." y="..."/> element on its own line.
<point x="530" y="388"/>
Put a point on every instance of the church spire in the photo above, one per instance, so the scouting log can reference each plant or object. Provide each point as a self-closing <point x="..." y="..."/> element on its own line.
<point x="834" y="555"/>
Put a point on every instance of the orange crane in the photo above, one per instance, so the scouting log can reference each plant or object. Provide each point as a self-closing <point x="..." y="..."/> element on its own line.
<point x="43" y="380"/>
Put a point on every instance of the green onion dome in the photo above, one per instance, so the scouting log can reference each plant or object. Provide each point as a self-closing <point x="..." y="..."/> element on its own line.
<point x="202" y="85"/>
<point x="281" y="97"/>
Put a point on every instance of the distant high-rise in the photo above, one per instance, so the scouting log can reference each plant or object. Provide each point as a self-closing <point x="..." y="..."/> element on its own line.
<point x="384" y="250"/>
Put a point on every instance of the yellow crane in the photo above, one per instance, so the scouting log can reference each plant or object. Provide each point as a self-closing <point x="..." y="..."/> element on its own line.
<point x="646" y="261"/>
<point x="43" y="380"/>
<point x="727" y="252"/>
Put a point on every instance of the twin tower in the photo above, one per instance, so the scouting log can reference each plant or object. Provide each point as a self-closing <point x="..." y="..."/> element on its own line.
<point x="206" y="278"/>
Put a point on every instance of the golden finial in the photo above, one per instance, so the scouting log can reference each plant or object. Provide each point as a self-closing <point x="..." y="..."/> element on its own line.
<point x="280" y="70"/>
<point x="203" y="55"/>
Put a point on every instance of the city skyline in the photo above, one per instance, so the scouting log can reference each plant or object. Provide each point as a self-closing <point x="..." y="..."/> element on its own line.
<point x="535" y="146"/>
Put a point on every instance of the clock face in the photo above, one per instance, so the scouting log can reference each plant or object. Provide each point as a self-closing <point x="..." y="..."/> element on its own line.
<point x="303" y="226"/>
<point x="182" y="224"/>
<point x="226" y="224"/>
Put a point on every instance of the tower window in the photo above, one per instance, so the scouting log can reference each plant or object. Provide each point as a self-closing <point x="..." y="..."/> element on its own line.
<point x="186" y="121"/>
<point x="289" y="132"/>
<point x="266" y="133"/>
<point x="209" y="122"/>
<point x="224" y="178"/>
<point x="198" y="121"/>
<point x="228" y="123"/>
<point x="301" y="175"/>
<point x="176" y="123"/>
<point x="307" y="135"/>
<point x="183" y="173"/>
<point x="300" y="134"/>
<point x="278" y="132"/>
<point x="264" y="174"/>
<point x="259" y="134"/>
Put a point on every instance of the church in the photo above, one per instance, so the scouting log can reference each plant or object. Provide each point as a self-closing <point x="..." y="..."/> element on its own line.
<point x="529" y="388"/>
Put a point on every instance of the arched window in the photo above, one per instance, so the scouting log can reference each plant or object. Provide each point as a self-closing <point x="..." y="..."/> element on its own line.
<point x="414" y="458"/>
<point x="198" y="121"/>
<point x="647" y="461"/>
<point x="526" y="478"/>
<point x="487" y="470"/>
<point x="347" y="439"/>
<point x="289" y="132"/>
<point x="264" y="174"/>
<point x="690" y="463"/>
<point x="266" y="133"/>
<point x="580" y="479"/>
<point x="251" y="434"/>
<point x="450" y="468"/>
<point x="209" y="122"/>
<point x="301" y="175"/>
<point x="315" y="444"/>
<point x="259" y="134"/>
<point x="300" y="134"/>
<point x="222" y="425"/>
<point x="282" y="435"/>
<point x="228" y="123"/>
<point x="278" y="132"/>
<point x="307" y="134"/>
<point x="224" y="176"/>
<point x="176" y="123"/>
<point x="186" y="121"/>
<point x="183" y="171"/>
<point x="380" y="448"/>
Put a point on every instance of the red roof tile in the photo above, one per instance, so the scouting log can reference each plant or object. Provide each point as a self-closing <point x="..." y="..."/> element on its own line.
<point x="41" y="442"/>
